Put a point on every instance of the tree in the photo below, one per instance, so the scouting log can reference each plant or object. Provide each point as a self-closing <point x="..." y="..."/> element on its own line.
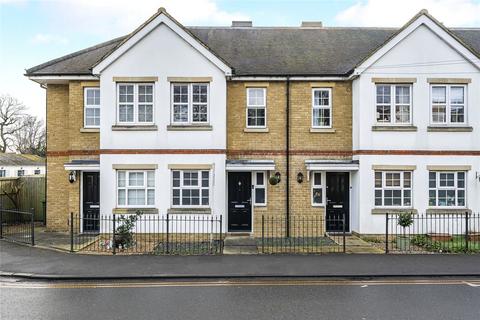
<point x="11" y="115"/>
<point x="30" y="137"/>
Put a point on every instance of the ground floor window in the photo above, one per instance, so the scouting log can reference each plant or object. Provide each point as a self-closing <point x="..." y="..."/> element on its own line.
<point x="317" y="189"/>
<point x="36" y="171"/>
<point x="3" y="173"/>
<point x="20" y="173"/>
<point x="393" y="188"/>
<point x="259" y="184"/>
<point x="190" y="188"/>
<point x="136" y="188"/>
<point x="446" y="189"/>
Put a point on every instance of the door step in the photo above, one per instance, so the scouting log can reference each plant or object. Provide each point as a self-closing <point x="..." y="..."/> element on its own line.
<point x="240" y="245"/>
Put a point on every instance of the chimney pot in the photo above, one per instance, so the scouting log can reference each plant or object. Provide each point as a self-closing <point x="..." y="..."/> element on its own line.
<point x="247" y="24"/>
<point x="312" y="24"/>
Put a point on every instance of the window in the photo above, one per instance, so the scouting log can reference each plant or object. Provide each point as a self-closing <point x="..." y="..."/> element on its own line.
<point x="3" y="173"/>
<point x="135" y="188"/>
<point x="36" y="171"/>
<point x="20" y="173"/>
<point x="190" y="188"/>
<point x="394" y="104"/>
<point x="256" y="107"/>
<point x="259" y="185"/>
<point x="393" y="188"/>
<point x="322" y="108"/>
<point x="448" y="104"/>
<point x="317" y="189"/>
<point x="91" y="100"/>
<point x="135" y="103"/>
<point x="446" y="189"/>
<point x="189" y="103"/>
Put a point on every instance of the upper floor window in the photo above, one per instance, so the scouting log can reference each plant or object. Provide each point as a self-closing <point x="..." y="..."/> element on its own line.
<point x="322" y="108"/>
<point x="448" y="104"/>
<point x="135" y="103"/>
<point x="190" y="188"/>
<point x="190" y="103"/>
<point x="446" y="189"/>
<point x="393" y="188"/>
<point x="135" y="188"/>
<point x="259" y="185"/>
<point x="256" y="107"/>
<point x="91" y="99"/>
<point x="393" y="103"/>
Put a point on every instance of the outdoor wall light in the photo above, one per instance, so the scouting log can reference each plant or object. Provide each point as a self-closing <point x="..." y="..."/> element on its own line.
<point x="300" y="177"/>
<point x="72" y="176"/>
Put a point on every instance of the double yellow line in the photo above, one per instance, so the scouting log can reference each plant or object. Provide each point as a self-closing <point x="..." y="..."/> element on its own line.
<point x="232" y="283"/>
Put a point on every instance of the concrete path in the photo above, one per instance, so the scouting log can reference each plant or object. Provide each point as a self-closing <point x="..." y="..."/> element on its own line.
<point x="18" y="260"/>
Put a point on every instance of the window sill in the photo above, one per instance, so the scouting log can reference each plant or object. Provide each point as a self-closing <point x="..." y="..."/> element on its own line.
<point x="322" y="130"/>
<point x="189" y="211"/>
<point x="189" y="127"/>
<point x="258" y="130"/>
<point x="448" y="211"/>
<point x="89" y="130"/>
<point x="134" y="210"/>
<point x="134" y="127"/>
<point x="394" y="128"/>
<point x="393" y="210"/>
<point x="449" y="129"/>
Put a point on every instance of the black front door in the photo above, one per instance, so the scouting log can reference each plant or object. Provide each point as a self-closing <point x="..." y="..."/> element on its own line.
<point x="338" y="201"/>
<point x="239" y="201"/>
<point x="91" y="202"/>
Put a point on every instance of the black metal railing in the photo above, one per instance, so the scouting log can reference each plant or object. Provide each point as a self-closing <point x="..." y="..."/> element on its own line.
<point x="433" y="233"/>
<point x="18" y="226"/>
<point x="186" y="234"/>
<point x="308" y="234"/>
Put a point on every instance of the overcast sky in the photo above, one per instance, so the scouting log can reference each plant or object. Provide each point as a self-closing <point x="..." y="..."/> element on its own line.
<point x="35" y="31"/>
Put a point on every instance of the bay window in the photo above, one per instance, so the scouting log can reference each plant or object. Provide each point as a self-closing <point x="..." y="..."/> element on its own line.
<point x="393" y="103"/>
<point x="136" y="188"/>
<point x="446" y="189"/>
<point x="448" y="104"/>
<point x="190" y="188"/>
<point x="135" y="103"/>
<point x="393" y="189"/>
<point x="190" y="103"/>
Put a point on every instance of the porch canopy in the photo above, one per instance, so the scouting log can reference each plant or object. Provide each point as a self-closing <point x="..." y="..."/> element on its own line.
<point x="250" y="165"/>
<point x="332" y="165"/>
<point x="82" y="165"/>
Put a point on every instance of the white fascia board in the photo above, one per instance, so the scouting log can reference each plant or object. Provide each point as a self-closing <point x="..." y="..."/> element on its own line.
<point x="82" y="167"/>
<point x="61" y="79"/>
<point x="422" y="20"/>
<point x="320" y="167"/>
<point x="306" y="78"/>
<point x="250" y="167"/>
<point x="149" y="28"/>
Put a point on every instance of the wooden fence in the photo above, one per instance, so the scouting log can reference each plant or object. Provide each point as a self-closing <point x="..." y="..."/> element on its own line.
<point x="24" y="193"/>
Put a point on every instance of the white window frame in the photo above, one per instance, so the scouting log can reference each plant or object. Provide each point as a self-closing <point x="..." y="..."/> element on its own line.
<point x="90" y="106"/>
<point x="393" y="104"/>
<point x="454" y="187"/>
<point x="318" y="186"/>
<point x="136" y="103"/>
<point x="262" y="106"/>
<point x="448" y="105"/>
<point x="143" y="187"/>
<point x="258" y="186"/>
<point x="329" y="107"/>
<point x="37" y="171"/>
<point x="402" y="188"/>
<point x="4" y="173"/>
<point x="190" y="103"/>
<point x="199" y="187"/>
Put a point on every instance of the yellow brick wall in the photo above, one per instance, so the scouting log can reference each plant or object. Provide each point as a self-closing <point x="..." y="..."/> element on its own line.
<point x="64" y="122"/>
<point x="304" y="144"/>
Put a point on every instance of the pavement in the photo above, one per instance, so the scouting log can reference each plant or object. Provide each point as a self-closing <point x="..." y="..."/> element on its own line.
<point x="36" y="263"/>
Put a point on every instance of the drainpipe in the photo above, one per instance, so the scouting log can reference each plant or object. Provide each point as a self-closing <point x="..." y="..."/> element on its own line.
<point x="287" y="178"/>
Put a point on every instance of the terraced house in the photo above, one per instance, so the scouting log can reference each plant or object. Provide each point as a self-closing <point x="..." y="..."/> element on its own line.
<point x="244" y="121"/>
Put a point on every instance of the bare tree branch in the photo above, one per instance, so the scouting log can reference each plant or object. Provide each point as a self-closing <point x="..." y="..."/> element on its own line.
<point x="11" y="115"/>
<point x="30" y="137"/>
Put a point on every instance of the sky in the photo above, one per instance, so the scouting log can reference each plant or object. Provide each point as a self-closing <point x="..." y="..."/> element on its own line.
<point x="35" y="31"/>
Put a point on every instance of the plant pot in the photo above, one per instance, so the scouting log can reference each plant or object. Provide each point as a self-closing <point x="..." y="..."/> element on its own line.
<point x="403" y="243"/>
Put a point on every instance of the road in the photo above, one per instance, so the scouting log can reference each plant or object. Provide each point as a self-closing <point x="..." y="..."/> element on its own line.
<point x="242" y="299"/>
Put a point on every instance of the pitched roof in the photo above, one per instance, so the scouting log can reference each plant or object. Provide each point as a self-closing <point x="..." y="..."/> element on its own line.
<point x="13" y="159"/>
<point x="267" y="51"/>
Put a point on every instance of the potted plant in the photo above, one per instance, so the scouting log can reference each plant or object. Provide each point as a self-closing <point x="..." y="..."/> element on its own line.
<point x="123" y="237"/>
<point x="405" y="220"/>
